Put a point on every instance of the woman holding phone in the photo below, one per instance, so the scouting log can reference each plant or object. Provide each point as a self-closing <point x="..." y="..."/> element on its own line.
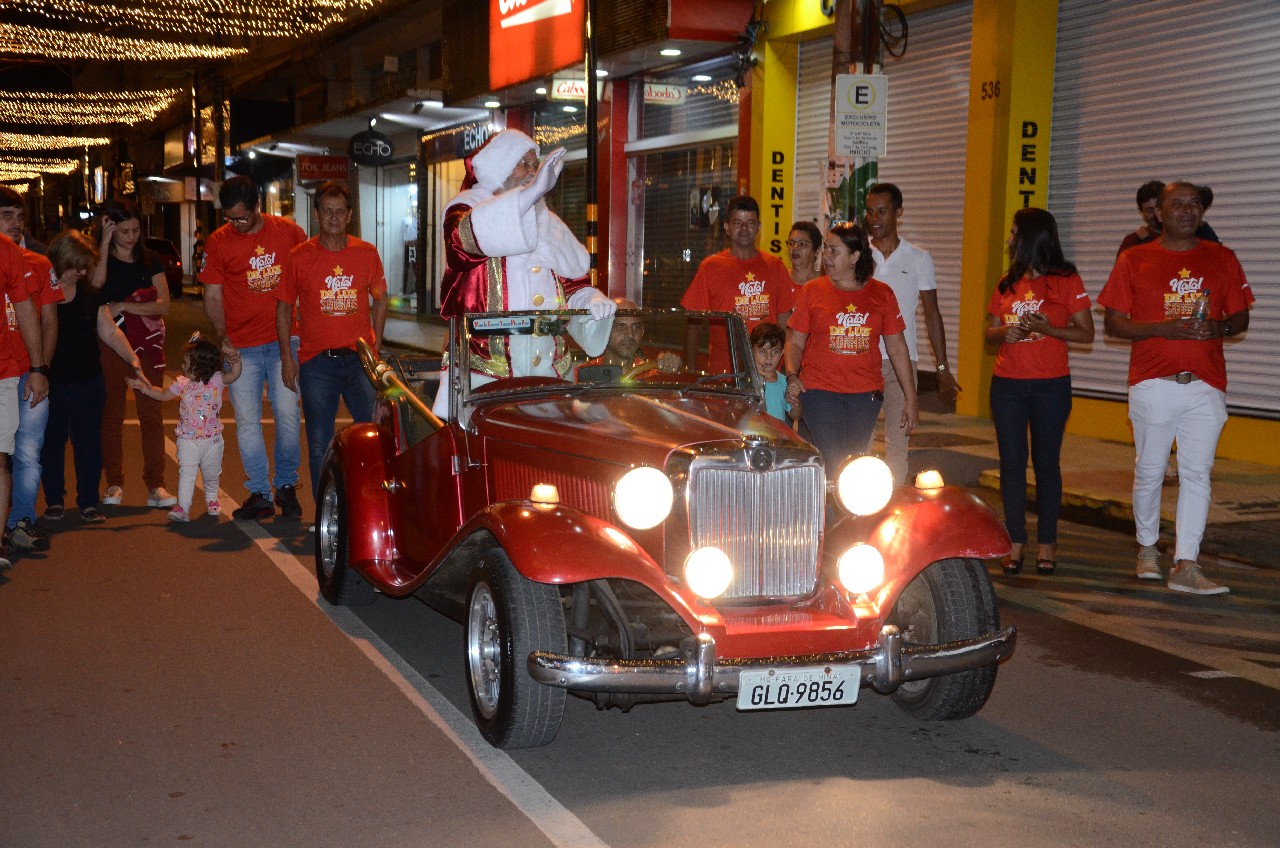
<point x="1038" y="307"/>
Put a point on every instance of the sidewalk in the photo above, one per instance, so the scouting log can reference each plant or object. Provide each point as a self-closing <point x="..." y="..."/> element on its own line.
<point x="1097" y="475"/>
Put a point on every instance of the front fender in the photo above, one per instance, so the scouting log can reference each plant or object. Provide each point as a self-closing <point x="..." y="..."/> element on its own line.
<point x="920" y="527"/>
<point x="357" y="454"/>
<point x="561" y="545"/>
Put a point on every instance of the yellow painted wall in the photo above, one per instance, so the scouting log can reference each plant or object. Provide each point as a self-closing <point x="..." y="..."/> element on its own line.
<point x="773" y="118"/>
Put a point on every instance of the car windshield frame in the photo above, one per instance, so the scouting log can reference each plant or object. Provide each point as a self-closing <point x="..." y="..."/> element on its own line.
<point x="740" y="379"/>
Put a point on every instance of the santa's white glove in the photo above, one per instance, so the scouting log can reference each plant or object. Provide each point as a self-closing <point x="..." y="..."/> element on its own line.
<point x="601" y="307"/>
<point x="544" y="180"/>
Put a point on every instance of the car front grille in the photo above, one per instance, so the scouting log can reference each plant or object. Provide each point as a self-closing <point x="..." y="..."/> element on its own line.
<point x="768" y="521"/>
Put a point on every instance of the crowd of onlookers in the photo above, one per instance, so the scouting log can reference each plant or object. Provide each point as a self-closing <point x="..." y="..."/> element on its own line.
<point x="834" y="341"/>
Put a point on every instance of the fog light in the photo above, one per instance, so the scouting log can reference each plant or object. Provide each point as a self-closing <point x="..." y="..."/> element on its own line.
<point x="708" y="572"/>
<point x="861" y="568"/>
<point x="643" y="497"/>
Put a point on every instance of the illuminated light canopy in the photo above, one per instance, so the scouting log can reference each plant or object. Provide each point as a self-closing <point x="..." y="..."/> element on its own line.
<point x="21" y="168"/>
<point x="26" y="141"/>
<point x="17" y="40"/>
<point x="88" y="108"/>
<point x="281" y="18"/>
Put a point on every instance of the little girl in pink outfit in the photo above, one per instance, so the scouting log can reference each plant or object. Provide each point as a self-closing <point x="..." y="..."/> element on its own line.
<point x="199" y="431"/>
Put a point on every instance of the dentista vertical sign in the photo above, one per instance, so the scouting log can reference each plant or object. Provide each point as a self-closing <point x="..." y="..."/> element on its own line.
<point x="533" y="38"/>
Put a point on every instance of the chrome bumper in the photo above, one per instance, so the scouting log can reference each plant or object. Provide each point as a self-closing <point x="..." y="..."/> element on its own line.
<point x="700" y="677"/>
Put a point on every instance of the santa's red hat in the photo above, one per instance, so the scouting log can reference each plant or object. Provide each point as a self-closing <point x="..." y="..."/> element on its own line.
<point x="490" y="166"/>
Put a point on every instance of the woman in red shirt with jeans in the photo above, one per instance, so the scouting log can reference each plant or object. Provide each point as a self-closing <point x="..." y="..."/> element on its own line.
<point x="1039" y="305"/>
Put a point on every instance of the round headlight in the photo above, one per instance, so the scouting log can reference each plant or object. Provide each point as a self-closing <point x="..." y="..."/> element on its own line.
<point x="708" y="572"/>
<point x="864" y="485"/>
<point x="643" y="497"/>
<point x="861" y="568"/>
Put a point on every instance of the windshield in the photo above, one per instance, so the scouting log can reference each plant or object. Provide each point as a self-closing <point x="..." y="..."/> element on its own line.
<point x="636" y="349"/>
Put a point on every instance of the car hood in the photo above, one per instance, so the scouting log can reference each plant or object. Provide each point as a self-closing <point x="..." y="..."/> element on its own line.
<point x="628" y="428"/>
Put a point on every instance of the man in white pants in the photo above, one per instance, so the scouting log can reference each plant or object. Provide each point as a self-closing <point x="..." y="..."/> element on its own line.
<point x="908" y="270"/>
<point x="1177" y="372"/>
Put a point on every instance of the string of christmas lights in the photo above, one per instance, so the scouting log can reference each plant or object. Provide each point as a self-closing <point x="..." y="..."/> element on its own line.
<point x="724" y="90"/>
<point x="279" y="18"/>
<point x="18" y="168"/>
<point x="31" y="142"/>
<point x="85" y="108"/>
<point x="547" y="135"/>
<point x="53" y="44"/>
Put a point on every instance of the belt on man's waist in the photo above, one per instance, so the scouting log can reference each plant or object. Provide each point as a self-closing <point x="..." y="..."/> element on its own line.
<point x="337" y="351"/>
<point x="1181" y="378"/>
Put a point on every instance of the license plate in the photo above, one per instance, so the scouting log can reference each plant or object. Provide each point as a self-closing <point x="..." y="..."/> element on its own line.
<point x="778" y="689"/>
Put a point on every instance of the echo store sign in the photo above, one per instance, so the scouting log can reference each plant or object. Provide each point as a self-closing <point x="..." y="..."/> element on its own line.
<point x="369" y="148"/>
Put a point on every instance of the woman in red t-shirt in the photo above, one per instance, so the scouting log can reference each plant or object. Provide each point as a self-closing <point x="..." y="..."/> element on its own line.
<point x="833" y="349"/>
<point x="1039" y="305"/>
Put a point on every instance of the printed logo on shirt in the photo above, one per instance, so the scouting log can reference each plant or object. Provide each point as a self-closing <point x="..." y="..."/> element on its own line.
<point x="1029" y="305"/>
<point x="10" y="314"/>
<point x="752" y="303"/>
<point x="851" y="334"/>
<point x="339" y="299"/>
<point x="1180" y="302"/>
<point x="263" y="274"/>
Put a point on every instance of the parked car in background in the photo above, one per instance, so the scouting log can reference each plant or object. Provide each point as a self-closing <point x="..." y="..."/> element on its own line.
<point x="648" y="532"/>
<point x="172" y="263"/>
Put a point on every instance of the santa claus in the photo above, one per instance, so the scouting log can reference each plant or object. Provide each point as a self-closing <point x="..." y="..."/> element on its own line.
<point x="505" y="250"/>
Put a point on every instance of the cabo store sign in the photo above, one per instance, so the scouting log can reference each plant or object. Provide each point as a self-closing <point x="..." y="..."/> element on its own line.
<point x="532" y="38"/>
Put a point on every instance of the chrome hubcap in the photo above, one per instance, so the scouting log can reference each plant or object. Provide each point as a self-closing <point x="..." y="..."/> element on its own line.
<point x="484" y="651"/>
<point x="327" y="528"/>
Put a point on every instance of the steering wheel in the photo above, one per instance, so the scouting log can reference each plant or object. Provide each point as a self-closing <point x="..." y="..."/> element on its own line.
<point x="640" y="368"/>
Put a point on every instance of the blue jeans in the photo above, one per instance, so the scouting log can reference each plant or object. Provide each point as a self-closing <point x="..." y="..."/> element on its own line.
<point x="840" y="425"/>
<point x="26" y="456"/>
<point x="75" y="410"/>
<point x="1043" y="406"/>
<point x="322" y="381"/>
<point x="259" y="365"/>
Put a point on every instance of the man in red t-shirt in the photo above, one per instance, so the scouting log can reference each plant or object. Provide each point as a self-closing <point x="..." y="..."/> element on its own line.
<point x="330" y="279"/>
<point x="244" y="260"/>
<point x="21" y="531"/>
<point x="1176" y="298"/>
<point x="741" y="279"/>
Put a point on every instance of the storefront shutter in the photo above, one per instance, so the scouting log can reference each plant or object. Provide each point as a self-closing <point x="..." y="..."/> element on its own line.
<point x="925" y="147"/>
<point x="1137" y="98"/>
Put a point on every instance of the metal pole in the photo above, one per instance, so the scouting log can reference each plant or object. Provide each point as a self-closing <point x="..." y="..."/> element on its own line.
<point x="593" y="214"/>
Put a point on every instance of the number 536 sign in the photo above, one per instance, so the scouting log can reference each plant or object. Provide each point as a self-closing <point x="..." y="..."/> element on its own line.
<point x="861" y="113"/>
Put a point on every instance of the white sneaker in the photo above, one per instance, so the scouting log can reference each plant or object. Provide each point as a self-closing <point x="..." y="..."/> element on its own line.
<point x="179" y="514"/>
<point x="114" y="496"/>
<point x="160" y="497"/>
<point x="1187" y="577"/>
<point x="1149" y="563"/>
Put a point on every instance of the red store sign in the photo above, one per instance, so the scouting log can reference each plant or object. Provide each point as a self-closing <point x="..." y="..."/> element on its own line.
<point x="532" y="38"/>
<point x="321" y="168"/>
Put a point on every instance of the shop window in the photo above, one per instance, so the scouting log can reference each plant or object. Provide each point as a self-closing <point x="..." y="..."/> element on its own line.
<point x="682" y="194"/>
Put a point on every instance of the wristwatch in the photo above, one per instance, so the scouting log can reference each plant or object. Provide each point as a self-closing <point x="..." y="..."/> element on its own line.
<point x="39" y="369"/>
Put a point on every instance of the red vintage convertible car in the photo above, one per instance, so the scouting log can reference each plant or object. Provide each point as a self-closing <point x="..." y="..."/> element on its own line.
<point x="650" y="533"/>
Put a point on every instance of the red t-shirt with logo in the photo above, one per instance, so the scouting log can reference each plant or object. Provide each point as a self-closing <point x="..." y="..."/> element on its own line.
<point x="249" y="267"/>
<point x="16" y="283"/>
<point x="1152" y="283"/>
<point x="331" y="290"/>
<point x="759" y="289"/>
<point x="842" y="352"/>
<point x="43" y="289"/>
<point x="1037" y="357"/>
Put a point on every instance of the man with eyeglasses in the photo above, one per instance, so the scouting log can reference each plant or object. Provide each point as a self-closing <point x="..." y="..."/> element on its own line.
<point x="244" y="261"/>
<point x="741" y="279"/>
<point x="337" y="284"/>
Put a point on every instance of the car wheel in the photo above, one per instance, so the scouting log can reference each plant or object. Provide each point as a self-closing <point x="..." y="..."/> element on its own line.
<point x="340" y="584"/>
<point x="951" y="599"/>
<point x="509" y="617"/>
